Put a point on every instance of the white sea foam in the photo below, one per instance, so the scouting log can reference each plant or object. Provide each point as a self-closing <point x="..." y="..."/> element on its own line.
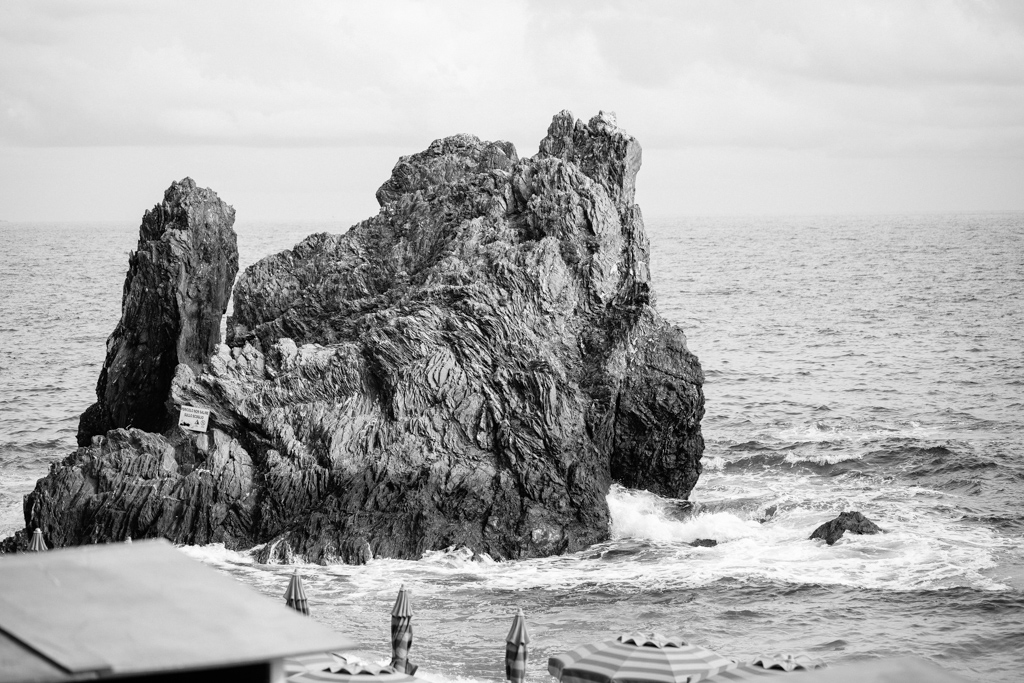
<point x="456" y="558"/>
<point x="643" y="515"/>
<point x="923" y="549"/>
<point x="817" y="432"/>
<point x="714" y="464"/>
<point x="821" y="458"/>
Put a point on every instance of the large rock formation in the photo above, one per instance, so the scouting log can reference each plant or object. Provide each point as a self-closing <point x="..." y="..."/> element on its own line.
<point x="472" y="366"/>
<point x="175" y="295"/>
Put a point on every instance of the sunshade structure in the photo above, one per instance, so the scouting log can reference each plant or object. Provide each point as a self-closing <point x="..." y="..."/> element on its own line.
<point x="128" y="612"/>
<point x="314" y="662"/>
<point x="888" y="670"/>
<point x="638" y="659"/>
<point x="401" y="633"/>
<point x="767" y="666"/>
<point x="348" y="672"/>
<point x="515" y="649"/>
<point x="295" y="596"/>
<point x="37" y="543"/>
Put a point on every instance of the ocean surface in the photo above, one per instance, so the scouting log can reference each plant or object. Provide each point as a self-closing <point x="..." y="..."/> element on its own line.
<point x="853" y="363"/>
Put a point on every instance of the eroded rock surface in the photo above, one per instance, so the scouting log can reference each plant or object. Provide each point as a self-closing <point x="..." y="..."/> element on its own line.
<point x="175" y="295"/>
<point x="473" y="367"/>
<point x="854" y="522"/>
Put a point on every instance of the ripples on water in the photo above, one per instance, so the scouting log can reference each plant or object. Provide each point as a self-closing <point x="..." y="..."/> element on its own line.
<point x="853" y="363"/>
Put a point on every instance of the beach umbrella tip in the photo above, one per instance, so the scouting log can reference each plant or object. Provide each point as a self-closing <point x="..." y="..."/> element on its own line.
<point x="36" y="542"/>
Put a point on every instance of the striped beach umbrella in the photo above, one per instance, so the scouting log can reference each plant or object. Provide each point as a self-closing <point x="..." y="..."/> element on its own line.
<point x="37" y="543"/>
<point x="344" y="671"/>
<point x="638" y="659"/>
<point x="295" y="596"/>
<point x="515" y="649"/>
<point x="768" y="665"/>
<point x="401" y="633"/>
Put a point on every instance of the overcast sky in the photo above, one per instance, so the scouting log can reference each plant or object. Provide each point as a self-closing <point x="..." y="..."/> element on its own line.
<point x="299" y="110"/>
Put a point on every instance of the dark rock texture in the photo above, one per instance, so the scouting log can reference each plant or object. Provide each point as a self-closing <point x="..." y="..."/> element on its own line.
<point x="175" y="295"/>
<point x="189" y="488"/>
<point x="471" y="367"/>
<point x="854" y="522"/>
<point x="16" y="543"/>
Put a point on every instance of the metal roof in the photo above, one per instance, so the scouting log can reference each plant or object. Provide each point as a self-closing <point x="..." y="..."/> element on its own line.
<point x="138" y="608"/>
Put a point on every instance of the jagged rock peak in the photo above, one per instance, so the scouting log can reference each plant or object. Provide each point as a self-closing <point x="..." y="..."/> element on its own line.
<point x="445" y="161"/>
<point x="175" y="294"/>
<point x="602" y="150"/>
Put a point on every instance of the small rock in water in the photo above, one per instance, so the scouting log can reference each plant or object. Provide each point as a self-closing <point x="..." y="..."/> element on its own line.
<point x="853" y="522"/>
<point x="704" y="543"/>
<point x="277" y="551"/>
<point x="768" y="513"/>
<point x="680" y="509"/>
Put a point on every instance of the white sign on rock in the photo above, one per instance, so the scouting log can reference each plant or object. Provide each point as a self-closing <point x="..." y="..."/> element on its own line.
<point x="194" y="419"/>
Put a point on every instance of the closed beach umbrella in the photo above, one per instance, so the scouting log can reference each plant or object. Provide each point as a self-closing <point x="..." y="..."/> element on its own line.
<point x="515" y="649"/>
<point x="401" y="633"/>
<point x="37" y="543"/>
<point x="295" y="596"/>
<point x="344" y="671"/>
<point x="766" y="666"/>
<point x="638" y="659"/>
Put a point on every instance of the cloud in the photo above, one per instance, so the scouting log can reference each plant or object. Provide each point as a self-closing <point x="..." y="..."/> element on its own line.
<point x="258" y="73"/>
<point x="875" y="77"/>
<point x="857" y="78"/>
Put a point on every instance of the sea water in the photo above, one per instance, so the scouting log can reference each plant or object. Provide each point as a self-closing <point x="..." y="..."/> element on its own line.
<point x="853" y="363"/>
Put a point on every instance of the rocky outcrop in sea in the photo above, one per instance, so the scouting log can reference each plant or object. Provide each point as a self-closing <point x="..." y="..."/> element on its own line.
<point x="852" y="521"/>
<point x="175" y="295"/>
<point x="473" y="366"/>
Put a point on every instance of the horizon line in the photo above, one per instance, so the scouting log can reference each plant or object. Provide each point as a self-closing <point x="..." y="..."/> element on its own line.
<point x="646" y="216"/>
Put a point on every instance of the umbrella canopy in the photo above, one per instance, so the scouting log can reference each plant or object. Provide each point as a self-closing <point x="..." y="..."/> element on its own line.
<point x="344" y="671"/>
<point x="515" y="649"/>
<point x="314" y="662"/>
<point x="401" y="633"/>
<point x="638" y="659"/>
<point x="768" y="665"/>
<point x="37" y="543"/>
<point x="295" y="596"/>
